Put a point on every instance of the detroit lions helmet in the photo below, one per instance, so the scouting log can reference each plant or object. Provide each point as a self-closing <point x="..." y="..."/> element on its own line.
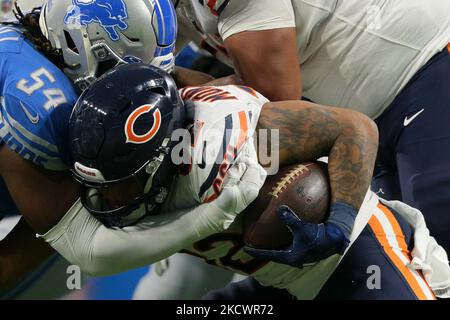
<point x="96" y="35"/>
<point x="120" y="142"/>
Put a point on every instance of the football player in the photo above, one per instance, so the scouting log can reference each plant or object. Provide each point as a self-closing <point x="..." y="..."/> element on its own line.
<point x="327" y="40"/>
<point x="82" y="53"/>
<point x="36" y="101"/>
<point x="134" y="175"/>
<point x="35" y="97"/>
<point x="154" y="45"/>
<point x="389" y="60"/>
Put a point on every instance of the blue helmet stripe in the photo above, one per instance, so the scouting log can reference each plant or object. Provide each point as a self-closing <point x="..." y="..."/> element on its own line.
<point x="165" y="63"/>
<point x="173" y="22"/>
<point x="170" y="21"/>
<point x="167" y="22"/>
<point x="162" y="51"/>
<point x="160" y="39"/>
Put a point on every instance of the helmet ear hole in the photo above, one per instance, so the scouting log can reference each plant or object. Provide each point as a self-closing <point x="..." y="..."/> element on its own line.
<point x="70" y="43"/>
<point x="105" y="66"/>
<point x="132" y="39"/>
<point x="157" y="90"/>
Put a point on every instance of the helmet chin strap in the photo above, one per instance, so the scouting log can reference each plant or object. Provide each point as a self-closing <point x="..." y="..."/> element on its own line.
<point x="101" y="52"/>
<point x="151" y="170"/>
<point x="83" y="82"/>
<point x="42" y="21"/>
<point x="136" y="215"/>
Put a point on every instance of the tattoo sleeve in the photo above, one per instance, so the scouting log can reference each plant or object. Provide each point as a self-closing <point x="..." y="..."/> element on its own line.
<point x="309" y="131"/>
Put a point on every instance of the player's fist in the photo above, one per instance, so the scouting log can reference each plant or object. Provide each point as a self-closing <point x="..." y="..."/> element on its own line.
<point x="311" y="242"/>
<point x="242" y="185"/>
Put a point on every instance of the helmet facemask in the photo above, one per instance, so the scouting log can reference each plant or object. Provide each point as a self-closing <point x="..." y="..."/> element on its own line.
<point x="125" y="201"/>
<point x="120" y="133"/>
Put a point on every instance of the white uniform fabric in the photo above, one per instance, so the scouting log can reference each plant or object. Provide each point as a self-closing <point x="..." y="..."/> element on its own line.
<point x="7" y="224"/>
<point x="222" y="124"/>
<point x="427" y="255"/>
<point x="226" y="250"/>
<point x="186" y="218"/>
<point x="354" y="53"/>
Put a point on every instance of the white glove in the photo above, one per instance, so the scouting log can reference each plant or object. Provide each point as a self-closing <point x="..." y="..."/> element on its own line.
<point x="85" y="242"/>
<point x="241" y="187"/>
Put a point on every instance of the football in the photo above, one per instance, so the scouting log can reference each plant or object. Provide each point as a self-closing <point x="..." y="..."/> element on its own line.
<point x="304" y="188"/>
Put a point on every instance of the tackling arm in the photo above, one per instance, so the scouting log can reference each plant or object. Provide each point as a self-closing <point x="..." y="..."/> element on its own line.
<point x="309" y="131"/>
<point x="273" y="57"/>
<point x="42" y="196"/>
<point x="84" y="241"/>
<point x="188" y="77"/>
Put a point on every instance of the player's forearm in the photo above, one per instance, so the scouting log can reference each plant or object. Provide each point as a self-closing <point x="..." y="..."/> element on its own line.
<point x="272" y="66"/>
<point x="99" y="251"/>
<point x="42" y="196"/>
<point x="84" y="241"/>
<point x="352" y="159"/>
<point x="309" y="131"/>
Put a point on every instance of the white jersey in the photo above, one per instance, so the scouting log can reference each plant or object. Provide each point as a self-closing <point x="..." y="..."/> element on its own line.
<point x="353" y="53"/>
<point x="222" y="124"/>
<point x="223" y="121"/>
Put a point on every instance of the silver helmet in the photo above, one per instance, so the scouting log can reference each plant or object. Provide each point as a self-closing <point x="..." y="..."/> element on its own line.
<point x="96" y="35"/>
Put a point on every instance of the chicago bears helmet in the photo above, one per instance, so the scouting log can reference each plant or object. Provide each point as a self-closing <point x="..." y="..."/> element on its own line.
<point x="120" y="141"/>
<point x="96" y="35"/>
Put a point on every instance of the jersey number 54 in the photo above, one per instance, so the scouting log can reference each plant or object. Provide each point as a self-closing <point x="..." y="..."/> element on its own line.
<point x="55" y="96"/>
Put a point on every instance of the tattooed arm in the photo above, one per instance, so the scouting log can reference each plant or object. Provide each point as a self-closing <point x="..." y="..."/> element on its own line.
<point x="309" y="131"/>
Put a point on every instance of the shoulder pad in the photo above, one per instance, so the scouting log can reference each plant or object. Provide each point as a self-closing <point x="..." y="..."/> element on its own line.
<point x="11" y="39"/>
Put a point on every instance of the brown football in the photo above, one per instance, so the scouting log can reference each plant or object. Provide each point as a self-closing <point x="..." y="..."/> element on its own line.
<point x="304" y="188"/>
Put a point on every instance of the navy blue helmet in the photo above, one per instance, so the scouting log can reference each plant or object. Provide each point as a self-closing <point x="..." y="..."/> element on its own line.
<point x="120" y="140"/>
